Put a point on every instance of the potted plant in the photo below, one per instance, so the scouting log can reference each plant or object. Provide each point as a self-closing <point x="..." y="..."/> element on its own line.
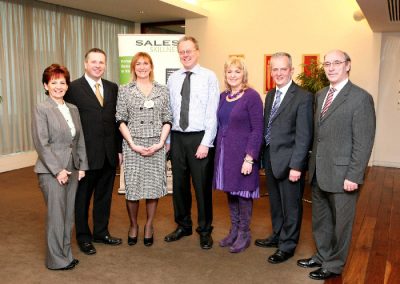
<point x="313" y="77"/>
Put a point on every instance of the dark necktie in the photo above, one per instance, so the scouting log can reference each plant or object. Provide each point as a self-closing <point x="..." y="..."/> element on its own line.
<point x="328" y="101"/>
<point x="272" y="114"/>
<point x="184" y="117"/>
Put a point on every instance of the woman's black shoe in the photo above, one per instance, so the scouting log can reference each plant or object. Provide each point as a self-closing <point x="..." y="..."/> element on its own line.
<point x="148" y="241"/>
<point x="133" y="241"/>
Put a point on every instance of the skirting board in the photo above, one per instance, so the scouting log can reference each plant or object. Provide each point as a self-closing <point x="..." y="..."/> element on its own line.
<point x="386" y="164"/>
<point x="17" y="161"/>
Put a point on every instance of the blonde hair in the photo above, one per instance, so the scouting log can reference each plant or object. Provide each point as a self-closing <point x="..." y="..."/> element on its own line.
<point x="239" y="63"/>
<point x="135" y="59"/>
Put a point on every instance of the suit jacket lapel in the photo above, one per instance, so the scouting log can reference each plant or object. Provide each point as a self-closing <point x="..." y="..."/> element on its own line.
<point x="269" y="103"/>
<point x="288" y="97"/>
<point x="106" y="92"/>
<point x="59" y="116"/>
<point x="340" y="98"/>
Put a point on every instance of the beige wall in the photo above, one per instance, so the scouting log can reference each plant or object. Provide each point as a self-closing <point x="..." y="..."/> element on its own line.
<point x="258" y="27"/>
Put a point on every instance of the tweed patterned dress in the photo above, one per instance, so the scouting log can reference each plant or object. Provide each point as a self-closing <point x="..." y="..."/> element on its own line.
<point x="145" y="177"/>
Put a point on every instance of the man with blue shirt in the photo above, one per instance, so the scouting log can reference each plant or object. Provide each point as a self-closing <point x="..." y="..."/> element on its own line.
<point x="194" y="98"/>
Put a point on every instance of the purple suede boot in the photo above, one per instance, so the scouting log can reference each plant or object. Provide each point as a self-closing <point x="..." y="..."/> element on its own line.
<point x="233" y="203"/>
<point x="244" y="238"/>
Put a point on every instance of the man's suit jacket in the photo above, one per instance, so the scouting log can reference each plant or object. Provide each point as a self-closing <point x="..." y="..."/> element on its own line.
<point x="102" y="138"/>
<point x="343" y="138"/>
<point x="291" y="130"/>
<point x="53" y="140"/>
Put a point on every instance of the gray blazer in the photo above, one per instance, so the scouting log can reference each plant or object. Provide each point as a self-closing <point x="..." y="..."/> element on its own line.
<point x="53" y="140"/>
<point x="343" y="138"/>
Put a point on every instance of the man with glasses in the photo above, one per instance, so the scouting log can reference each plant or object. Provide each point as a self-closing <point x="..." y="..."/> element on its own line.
<point x="194" y="98"/>
<point x="344" y="131"/>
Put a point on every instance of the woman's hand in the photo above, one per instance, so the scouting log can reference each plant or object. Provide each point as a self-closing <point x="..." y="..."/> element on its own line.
<point x="81" y="175"/>
<point x="150" y="151"/>
<point x="247" y="168"/>
<point x="62" y="177"/>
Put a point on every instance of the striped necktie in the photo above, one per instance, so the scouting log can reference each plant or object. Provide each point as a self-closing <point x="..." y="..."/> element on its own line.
<point x="272" y="115"/>
<point x="328" y="102"/>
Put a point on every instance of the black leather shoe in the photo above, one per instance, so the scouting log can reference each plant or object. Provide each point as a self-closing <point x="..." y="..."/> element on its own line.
<point x="108" y="240"/>
<point x="87" y="248"/>
<point x="133" y="240"/>
<point x="68" y="267"/>
<point x="279" y="256"/>
<point x="308" y="263"/>
<point x="148" y="241"/>
<point x="177" y="234"/>
<point x="266" y="243"/>
<point x="322" y="274"/>
<point x="206" y="241"/>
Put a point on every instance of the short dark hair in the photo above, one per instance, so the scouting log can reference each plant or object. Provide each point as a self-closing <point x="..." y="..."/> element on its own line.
<point x="55" y="71"/>
<point x="95" y="50"/>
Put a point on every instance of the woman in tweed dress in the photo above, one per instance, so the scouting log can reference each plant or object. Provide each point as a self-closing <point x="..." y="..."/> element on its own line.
<point x="144" y="118"/>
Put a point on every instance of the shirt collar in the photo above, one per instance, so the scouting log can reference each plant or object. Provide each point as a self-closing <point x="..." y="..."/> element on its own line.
<point x="284" y="88"/>
<point x="195" y="69"/>
<point x="340" y="86"/>
<point x="92" y="82"/>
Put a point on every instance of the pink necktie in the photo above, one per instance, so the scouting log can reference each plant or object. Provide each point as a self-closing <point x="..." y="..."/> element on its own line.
<point x="328" y="101"/>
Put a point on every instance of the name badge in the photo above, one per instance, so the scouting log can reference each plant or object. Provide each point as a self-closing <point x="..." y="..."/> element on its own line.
<point x="149" y="104"/>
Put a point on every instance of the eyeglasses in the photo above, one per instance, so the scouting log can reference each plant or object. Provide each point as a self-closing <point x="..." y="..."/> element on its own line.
<point x="334" y="63"/>
<point x="187" y="52"/>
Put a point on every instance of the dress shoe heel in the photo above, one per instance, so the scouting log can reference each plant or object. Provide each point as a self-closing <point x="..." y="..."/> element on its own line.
<point x="133" y="240"/>
<point x="148" y="241"/>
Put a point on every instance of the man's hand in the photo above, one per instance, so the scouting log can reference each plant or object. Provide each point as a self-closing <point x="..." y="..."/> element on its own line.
<point x="349" y="185"/>
<point x="294" y="175"/>
<point x="202" y="152"/>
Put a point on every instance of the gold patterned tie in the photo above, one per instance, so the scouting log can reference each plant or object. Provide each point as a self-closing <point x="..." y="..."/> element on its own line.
<point x="98" y="94"/>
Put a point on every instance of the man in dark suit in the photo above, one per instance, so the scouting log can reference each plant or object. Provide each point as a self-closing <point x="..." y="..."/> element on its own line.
<point x="344" y="130"/>
<point x="96" y="100"/>
<point x="288" y="133"/>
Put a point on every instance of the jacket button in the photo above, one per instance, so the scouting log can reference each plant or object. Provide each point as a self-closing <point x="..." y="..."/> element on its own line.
<point x="142" y="122"/>
<point x="141" y="108"/>
<point x="70" y="145"/>
<point x="151" y="122"/>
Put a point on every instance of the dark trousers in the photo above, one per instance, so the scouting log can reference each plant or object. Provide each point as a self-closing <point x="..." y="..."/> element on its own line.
<point x="332" y="222"/>
<point x="185" y="166"/>
<point x="98" y="183"/>
<point x="286" y="205"/>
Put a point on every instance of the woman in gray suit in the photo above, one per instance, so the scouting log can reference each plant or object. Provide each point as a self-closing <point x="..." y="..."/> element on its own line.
<point x="58" y="139"/>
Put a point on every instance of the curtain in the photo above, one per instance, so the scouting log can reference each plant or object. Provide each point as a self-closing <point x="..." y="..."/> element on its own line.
<point x="33" y="36"/>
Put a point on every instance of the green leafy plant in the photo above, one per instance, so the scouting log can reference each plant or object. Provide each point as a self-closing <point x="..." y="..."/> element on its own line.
<point x="313" y="78"/>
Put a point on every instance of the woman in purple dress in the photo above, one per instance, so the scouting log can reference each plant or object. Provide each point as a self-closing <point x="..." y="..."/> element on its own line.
<point x="239" y="139"/>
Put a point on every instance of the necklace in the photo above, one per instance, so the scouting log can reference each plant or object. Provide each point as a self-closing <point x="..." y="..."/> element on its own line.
<point x="234" y="96"/>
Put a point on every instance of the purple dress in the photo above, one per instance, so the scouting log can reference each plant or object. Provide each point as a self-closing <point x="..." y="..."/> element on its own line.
<point x="224" y="115"/>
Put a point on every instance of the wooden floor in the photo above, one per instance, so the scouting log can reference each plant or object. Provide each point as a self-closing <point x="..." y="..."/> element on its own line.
<point x="374" y="254"/>
<point x="375" y="251"/>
